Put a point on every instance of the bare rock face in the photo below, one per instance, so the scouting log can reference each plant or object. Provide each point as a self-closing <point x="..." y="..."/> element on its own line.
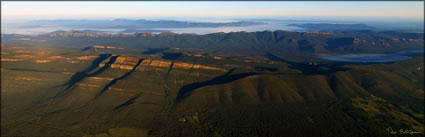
<point x="127" y="67"/>
<point x="55" y="57"/>
<point x="11" y="60"/>
<point x="99" y="47"/>
<point x="179" y="65"/>
<point x="182" y="65"/>
<point x="42" y="61"/>
<point x="85" y="57"/>
<point x="127" y="63"/>
<point x="146" y="62"/>
<point x="159" y="63"/>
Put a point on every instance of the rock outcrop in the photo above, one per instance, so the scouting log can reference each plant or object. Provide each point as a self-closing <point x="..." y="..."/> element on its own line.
<point x="11" y="60"/>
<point x="42" y="61"/>
<point x="55" y="57"/>
<point x="128" y="63"/>
<point x="85" y="57"/>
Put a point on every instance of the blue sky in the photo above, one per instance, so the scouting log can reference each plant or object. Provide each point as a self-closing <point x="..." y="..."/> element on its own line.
<point x="115" y="9"/>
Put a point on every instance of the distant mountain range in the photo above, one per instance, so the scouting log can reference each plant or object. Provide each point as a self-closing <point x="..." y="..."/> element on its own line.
<point x="135" y="24"/>
<point x="285" y="43"/>
<point x="100" y="32"/>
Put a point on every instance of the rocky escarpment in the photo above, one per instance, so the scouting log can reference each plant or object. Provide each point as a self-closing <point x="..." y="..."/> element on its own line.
<point x="88" y="72"/>
<point x="119" y="67"/>
<point x="127" y="63"/>
<point x="107" y="86"/>
<point x="100" y="47"/>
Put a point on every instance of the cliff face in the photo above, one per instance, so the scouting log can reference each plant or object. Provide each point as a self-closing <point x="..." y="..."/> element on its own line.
<point x="127" y="63"/>
<point x="11" y="60"/>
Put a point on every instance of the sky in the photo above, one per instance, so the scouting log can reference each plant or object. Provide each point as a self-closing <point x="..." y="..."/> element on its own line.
<point x="115" y="9"/>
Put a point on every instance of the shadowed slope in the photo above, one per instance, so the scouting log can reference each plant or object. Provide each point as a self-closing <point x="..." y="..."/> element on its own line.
<point x="226" y="78"/>
<point x="80" y="75"/>
<point x="129" y="102"/>
<point x="119" y="78"/>
<point x="308" y="69"/>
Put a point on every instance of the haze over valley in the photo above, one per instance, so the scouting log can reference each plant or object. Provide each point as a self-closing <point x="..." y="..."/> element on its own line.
<point x="209" y="25"/>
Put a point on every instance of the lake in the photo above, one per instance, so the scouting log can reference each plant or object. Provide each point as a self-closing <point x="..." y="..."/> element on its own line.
<point x="374" y="58"/>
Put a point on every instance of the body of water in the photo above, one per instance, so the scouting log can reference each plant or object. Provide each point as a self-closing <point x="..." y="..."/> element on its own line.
<point x="374" y="58"/>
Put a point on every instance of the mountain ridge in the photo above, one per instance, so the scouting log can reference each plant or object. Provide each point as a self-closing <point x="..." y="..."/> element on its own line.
<point x="247" y="43"/>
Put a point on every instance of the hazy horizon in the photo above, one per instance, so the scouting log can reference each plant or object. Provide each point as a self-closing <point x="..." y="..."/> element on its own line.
<point x="17" y="17"/>
<point x="108" y="10"/>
